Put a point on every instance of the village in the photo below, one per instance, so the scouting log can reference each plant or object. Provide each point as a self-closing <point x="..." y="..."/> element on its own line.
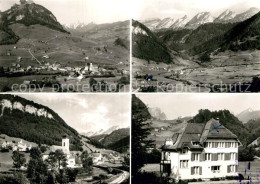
<point x="103" y="161"/>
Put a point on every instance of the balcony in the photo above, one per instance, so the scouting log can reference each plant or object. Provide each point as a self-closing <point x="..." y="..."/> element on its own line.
<point x="165" y="161"/>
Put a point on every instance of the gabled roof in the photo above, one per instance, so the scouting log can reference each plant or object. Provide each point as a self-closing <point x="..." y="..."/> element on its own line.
<point x="214" y="130"/>
<point x="198" y="132"/>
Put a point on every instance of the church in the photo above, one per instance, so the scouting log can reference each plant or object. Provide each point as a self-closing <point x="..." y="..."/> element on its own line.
<point x="65" y="147"/>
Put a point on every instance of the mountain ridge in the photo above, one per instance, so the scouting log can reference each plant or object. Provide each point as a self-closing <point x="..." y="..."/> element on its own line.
<point x="34" y="127"/>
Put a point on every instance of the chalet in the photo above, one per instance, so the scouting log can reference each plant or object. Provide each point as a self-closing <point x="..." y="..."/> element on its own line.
<point x="65" y="147"/>
<point x="201" y="151"/>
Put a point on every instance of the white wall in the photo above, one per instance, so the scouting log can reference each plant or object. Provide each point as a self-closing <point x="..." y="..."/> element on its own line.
<point x="185" y="173"/>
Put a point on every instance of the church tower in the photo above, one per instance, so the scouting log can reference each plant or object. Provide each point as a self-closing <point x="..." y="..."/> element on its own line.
<point x="66" y="145"/>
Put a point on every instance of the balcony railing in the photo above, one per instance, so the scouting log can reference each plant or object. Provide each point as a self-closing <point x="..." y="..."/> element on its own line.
<point x="165" y="161"/>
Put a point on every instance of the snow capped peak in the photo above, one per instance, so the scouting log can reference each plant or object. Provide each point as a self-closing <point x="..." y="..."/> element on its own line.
<point x="245" y="15"/>
<point x="225" y="16"/>
<point x="165" y="23"/>
<point x="180" y="23"/>
<point x="199" y="19"/>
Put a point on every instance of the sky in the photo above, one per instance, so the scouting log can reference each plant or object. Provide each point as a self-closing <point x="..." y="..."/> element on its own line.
<point x="87" y="112"/>
<point x="83" y="11"/>
<point x="148" y="9"/>
<point x="183" y="105"/>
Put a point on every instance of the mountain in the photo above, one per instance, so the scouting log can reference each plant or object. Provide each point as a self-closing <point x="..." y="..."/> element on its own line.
<point x="165" y="23"/>
<point x="151" y="23"/>
<point x="147" y="46"/>
<point x="180" y="23"/>
<point x="33" y="122"/>
<point x="156" y="113"/>
<point x="243" y="36"/>
<point x="115" y="136"/>
<point x="27" y="14"/>
<point x="199" y="19"/>
<point x="225" y="17"/>
<point x="117" y="140"/>
<point x="101" y="132"/>
<point x="245" y="15"/>
<point x="185" y="39"/>
<point x="248" y="114"/>
<point x="121" y="146"/>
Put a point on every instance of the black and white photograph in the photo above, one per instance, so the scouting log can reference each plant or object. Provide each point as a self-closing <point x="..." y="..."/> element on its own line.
<point x="64" y="46"/>
<point x="195" y="138"/>
<point x="196" y="46"/>
<point x="65" y="138"/>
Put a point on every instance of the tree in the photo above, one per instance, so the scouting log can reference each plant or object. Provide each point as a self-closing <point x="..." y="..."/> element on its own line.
<point x="86" y="161"/>
<point x="140" y="132"/>
<point x="18" y="159"/>
<point x="37" y="170"/>
<point x="35" y="153"/>
<point x="61" y="159"/>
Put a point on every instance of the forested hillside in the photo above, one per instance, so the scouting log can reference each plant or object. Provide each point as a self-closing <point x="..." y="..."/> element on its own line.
<point x="32" y="127"/>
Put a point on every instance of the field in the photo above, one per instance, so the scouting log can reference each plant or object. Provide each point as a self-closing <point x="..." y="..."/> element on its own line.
<point x="164" y="129"/>
<point x="69" y="50"/>
<point x="185" y="76"/>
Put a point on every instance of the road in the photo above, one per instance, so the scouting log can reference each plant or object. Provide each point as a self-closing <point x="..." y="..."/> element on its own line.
<point x="122" y="177"/>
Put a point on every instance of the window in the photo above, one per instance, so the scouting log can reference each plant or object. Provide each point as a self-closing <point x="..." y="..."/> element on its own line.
<point x="196" y="170"/>
<point x="185" y="150"/>
<point x="221" y="145"/>
<point x="216" y="144"/>
<point x="232" y="168"/>
<point x="207" y="156"/>
<point x="233" y="156"/>
<point x="195" y="143"/>
<point x="208" y="144"/>
<point x="215" y="169"/>
<point x="195" y="157"/>
<point x="184" y="164"/>
<point x="220" y="156"/>
<point x="166" y="156"/>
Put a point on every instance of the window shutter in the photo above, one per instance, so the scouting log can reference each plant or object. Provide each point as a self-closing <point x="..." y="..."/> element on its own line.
<point x="227" y="156"/>
<point x="226" y="145"/>
<point x="215" y="157"/>
<point x="192" y="157"/>
<point x="236" y="168"/>
<point x="200" y="170"/>
<point x="228" y="169"/>
<point x="236" y="156"/>
<point x="201" y="157"/>
<point x="192" y="171"/>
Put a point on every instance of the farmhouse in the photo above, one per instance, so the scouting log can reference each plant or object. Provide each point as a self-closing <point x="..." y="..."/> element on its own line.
<point x="201" y="151"/>
<point x="65" y="147"/>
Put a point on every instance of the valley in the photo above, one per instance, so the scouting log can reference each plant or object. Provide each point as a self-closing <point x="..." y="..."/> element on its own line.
<point x="29" y="128"/>
<point x="214" y="56"/>
<point x="60" y="58"/>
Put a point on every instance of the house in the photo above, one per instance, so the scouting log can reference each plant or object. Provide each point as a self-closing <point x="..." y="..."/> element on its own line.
<point x="65" y="147"/>
<point x="20" y="146"/>
<point x="201" y="151"/>
<point x="255" y="142"/>
<point x="96" y="157"/>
